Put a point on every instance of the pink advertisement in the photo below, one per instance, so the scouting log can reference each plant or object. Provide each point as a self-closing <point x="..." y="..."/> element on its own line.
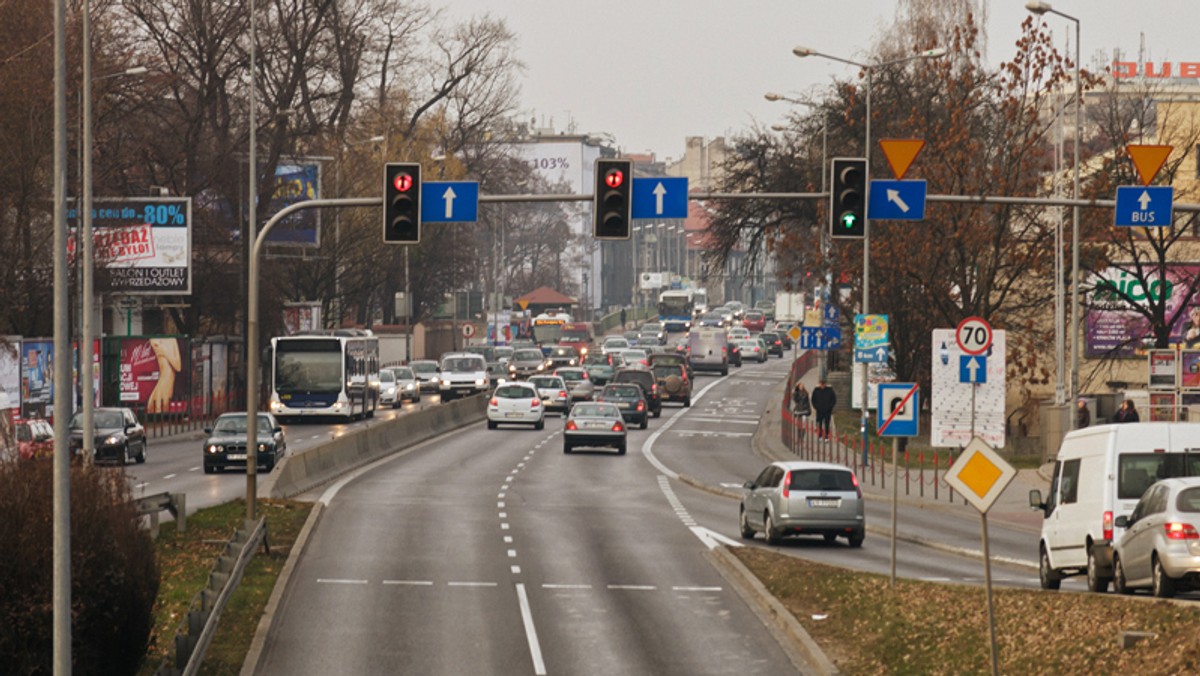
<point x="152" y="374"/>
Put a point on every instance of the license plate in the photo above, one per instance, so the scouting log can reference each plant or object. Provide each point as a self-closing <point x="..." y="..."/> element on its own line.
<point x="623" y="405"/>
<point x="513" y="415"/>
<point x="823" y="502"/>
<point x="236" y="456"/>
<point x="596" y="426"/>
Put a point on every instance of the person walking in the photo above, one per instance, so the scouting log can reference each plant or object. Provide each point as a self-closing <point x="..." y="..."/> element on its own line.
<point x="801" y="406"/>
<point x="823" y="400"/>
<point x="622" y="319"/>
<point x="1083" y="417"/>
<point x="1127" y="413"/>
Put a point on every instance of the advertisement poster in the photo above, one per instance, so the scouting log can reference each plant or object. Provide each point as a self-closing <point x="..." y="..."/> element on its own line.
<point x="1162" y="407"/>
<point x="299" y="317"/>
<point x="154" y="374"/>
<point x="296" y="182"/>
<point x="1162" y="369"/>
<point x="37" y="379"/>
<point x="143" y="245"/>
<point x="1112" y="329"/>
<point x="10" y="374"/>
<point x="1189" y="369"/>
<point x="76" y="373"/>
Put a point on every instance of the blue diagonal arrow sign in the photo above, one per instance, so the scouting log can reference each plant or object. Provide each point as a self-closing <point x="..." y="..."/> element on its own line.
<point x="449" y="201"/>
<point x="897" y="200"/>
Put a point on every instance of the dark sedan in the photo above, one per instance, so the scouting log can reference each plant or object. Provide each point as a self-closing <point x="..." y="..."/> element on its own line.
<point x="631" y="401"/>
<point x="226" y="443"/>
<point x="120" y="438"/>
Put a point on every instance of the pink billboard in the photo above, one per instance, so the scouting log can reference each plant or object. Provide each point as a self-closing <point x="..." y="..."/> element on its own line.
<point x="154" y="374"/>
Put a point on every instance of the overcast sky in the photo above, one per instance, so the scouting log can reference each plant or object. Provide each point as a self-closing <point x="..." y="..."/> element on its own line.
<point x="701" y="67"/>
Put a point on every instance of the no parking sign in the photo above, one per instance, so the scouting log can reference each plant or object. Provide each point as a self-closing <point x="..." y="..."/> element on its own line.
<point x="898" y="411"/>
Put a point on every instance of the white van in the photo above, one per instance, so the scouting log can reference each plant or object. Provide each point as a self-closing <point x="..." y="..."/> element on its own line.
<point x="1099" y="474"/>
<point x="708" y="350"/>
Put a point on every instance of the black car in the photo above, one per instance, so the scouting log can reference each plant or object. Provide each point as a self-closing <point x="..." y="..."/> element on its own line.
<point x="120" y="438"/>
<point x="226" y="443"/>
<point x="649" y="384"/>
<point x="735" y="354"/>
<point x="563" y="355"/>
<point x="774" y="343"/>
<point x="630" y="399"/>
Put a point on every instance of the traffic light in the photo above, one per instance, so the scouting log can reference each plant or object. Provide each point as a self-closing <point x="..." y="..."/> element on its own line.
<point x="613" y="199"/>
<point x="402" y="203"/>
<point x="848" y="198"/>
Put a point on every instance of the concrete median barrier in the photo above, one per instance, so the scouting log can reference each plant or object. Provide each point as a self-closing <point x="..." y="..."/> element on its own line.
<point x="315" y="466"/>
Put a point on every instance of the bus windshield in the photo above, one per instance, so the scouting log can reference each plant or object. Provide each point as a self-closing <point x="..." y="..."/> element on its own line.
<point x="675" y="306"/>
<point x="308" y="371"/>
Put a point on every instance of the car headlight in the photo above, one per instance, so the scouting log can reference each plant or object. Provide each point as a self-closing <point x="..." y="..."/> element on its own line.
<point x="113" y="440"/>
<point x="446" y="383"/>
<point x="213" y="448"/>
<point x="512" y="368"/>
<point x="409" y="387"/>
<point x="481" y="381"/>
<point x="541" y="367"/>
<point x="263" y="448"/>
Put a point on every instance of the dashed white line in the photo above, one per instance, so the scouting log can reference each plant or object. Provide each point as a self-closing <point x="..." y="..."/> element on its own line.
<point x="516" y="570"/>
<point x="141" y="485"/>
<point x="410" y="583"/>
<point x="508" y="539"/>
<point x="503" y="526"/>
<point x="512" y="553"/>
<point x="503" y="515"/>
<point x="193" y="469"/>
<point x="566" y="586"/>
<point x="500" y="505"/>
<point x="169" y="476"/>
<point x="323" y="580"/>
<point x="696" y="589"/>
<point x="633" y="587"/>
<point x="471" y="584"/>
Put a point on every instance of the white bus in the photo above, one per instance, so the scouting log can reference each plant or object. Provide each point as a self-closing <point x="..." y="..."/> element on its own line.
<point x="318" y="374"/>
<point x="676" y="308"/>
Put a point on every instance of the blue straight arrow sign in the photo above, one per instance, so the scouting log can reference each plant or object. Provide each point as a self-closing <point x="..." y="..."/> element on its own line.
<point x="449" y="201"/>
<point x="972" y="369"/>
<point x="660" y="198"/>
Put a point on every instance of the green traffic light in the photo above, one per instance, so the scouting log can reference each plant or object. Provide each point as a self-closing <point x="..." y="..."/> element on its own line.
<point x="849" y="220"/>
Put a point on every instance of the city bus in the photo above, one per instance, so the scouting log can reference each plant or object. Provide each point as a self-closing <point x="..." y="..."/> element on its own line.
<point x="548" y="326"/>
<point x="324" y="374"/>
<point x="676" y="308"/>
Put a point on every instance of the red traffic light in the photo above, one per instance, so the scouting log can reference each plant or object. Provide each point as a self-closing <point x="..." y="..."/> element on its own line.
<point x="614" y="178"/>
<point x="402" y="182"/>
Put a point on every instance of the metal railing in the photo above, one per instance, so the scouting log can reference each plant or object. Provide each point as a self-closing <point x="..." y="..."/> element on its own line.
<point x="200" y="413"/>
<point x="153" y="505"/>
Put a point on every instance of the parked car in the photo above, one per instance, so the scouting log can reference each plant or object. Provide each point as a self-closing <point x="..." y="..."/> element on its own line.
<point x="225" y="446"/>
<point x="630" y="400"/>
<point x="34" y="437"/>
<point x="754" y="321"/>
<point x="752" y="348"/>
<point x="774" y="343"/>
<point x="1160" y="549"/>
<point x="516" y="402"/>
<point x="579" y="385"/>
<point x="408" y="387"/>
<point x="120" y="438"/>
<point x="594" y="425"/>
<point x="803" y="498"/>
<point x="553" y="391"/>
<point x="462" y="374"/>
<point x="563" y="355"/>
<point x="1099" y="474"/>
<point x="526" y="362"/>
<point x="674" y="384"/>
<point x="645" y="379"/>
<point x="426" y="371"/>
<point x="614" y="344"/>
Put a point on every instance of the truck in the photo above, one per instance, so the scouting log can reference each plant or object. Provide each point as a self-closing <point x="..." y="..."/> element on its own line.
<point x="789" y="307"/>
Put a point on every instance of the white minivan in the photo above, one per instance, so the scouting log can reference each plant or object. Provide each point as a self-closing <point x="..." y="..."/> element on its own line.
<point x="708" y="350"/>
<point x="1099" y="474"/>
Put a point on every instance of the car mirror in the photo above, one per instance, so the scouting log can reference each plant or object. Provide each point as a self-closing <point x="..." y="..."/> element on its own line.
<point x="749" y="485"/>
<point x="208" y="430"/>
<point x="278" y="429"/>
<point x="1123" y="521"/>
<point x="1035" y="500"/>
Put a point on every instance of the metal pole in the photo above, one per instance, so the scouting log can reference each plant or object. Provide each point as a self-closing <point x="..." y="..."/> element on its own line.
<point x="1075" y="237"/>
<point x="866" y="292"/>
<point x="895" y="502"/>
<point x="252" y="289"/>
<point x="84" y="248"/>
<point x="987" y="580"/>
<point x="409" y="320"/>
<point x="62" y="366"/>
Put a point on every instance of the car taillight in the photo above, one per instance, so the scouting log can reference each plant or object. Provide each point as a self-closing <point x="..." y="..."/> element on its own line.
<point x="494" y="402"/>
<point x="654" y="388"/>
<point x="1107" y="526"/>
<point x="571" y="425"/>
<point x="787" y="484"/>
<point x="857" y="488"/>
<point x="641" y="406"/>
<point x="1181" y="531"/>
<point x="562" y="394"/>
<point x="535" y="403"/>
<point x="618" y="427"/>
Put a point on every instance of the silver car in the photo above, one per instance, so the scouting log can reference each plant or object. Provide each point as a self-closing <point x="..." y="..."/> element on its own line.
<point x="408" y="387"/>
<point x="804" y="498"/>
<point x="526" y="362"/>
<point x="426" y="371"/>
<point x="553" y="391"/>
<point x="1160" y="549"/>
<point x="579" y="385"/>
<point x="594" y="424"/>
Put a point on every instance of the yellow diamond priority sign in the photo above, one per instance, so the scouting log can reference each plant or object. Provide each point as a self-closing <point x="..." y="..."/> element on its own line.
<point x="794" y="334"/>
<point x="980" y="474"/>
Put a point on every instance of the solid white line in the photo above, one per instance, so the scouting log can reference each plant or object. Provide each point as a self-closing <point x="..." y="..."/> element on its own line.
<point x="323" y="580"/>
<point x="566" y="586"/>
<point x="535" y="650"/>
<point x="634" y="587"/>
<point x="742" y="421"/>
<point x="169" y="476"/>
<point x="413" y="583"/>
<point x="471" y="584"/>
<point x="696" y="589"/>
<point x="711" y="433"/>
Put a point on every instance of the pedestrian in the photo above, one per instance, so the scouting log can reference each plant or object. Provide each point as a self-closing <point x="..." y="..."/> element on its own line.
<point x="1083" y="417"/>
<point x="800" y="403"/>
<point x="1127" y="413"/>
<point x="622" y="319"/>
<point x="823" y="401"/>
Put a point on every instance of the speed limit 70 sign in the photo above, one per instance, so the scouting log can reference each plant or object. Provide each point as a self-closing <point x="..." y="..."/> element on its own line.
<point x="974" y="335"/>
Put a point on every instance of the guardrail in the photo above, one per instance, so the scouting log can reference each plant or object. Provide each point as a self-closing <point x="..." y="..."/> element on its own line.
<point x="152" y="505"/>
<point x="205" y="609"/>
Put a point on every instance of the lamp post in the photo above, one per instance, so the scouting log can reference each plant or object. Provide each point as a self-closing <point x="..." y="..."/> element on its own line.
<point x="87" y="264"/>
<point x="1041" y="8"/>
<point x="866" y="285"/>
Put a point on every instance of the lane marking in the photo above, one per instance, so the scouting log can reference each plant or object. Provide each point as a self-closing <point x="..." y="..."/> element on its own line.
<point x="633" y="587"/>
<point x="648" y="446"/>
<point x="470" y="584"/>
<point x="708" y="433"/>
<point x="169" y="476"/>
<point x="516" y="570"/>
<point x="508" y="539"/>
<point x="512" y="553"/>
<point x="410" y="583"/>
<point x="323" y="580"/>
<point x="141" y="485"/>
<point x="503" y="515"/>
<point x="535" y="649"/>
<point x="503" y="526"/>
<point x="741" y="420"/>
<point x="696" y="589"/>
<point x="566" y="586"/>
<point x="500" y="505"/>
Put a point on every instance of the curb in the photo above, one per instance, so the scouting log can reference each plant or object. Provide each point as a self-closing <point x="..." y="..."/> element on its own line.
<point x="259" y="641"/>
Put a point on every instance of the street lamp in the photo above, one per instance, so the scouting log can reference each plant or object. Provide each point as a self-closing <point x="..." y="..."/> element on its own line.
<point x="869" y="68"/>
<point x="1042" y="8"/>
<point x="87" y="351"/>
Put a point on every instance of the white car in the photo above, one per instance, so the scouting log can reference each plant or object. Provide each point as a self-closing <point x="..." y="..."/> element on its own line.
<point x="408" y="387"/>
<point x="516" y="402"/>
<point x="614" y="344"/>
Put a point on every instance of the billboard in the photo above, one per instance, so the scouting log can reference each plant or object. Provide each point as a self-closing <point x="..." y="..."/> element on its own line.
<point x="154" y="373"/>
<point x="141" y="245"/>
<point x="10" y="374"/>
<point x="1112" y="329"/>
<point x="297" y="181"/>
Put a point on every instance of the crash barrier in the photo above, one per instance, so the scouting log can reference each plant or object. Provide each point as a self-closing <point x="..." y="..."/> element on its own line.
<point x="359" y="446"/>
<point x="922" y="473"/>
<point x="196" y="631"/>
<point x="152" y="505"/>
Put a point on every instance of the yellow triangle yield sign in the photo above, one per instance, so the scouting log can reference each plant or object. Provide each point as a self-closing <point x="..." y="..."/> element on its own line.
<point x="901" y="153"/>
<point x="1148" y="160"/>
<point x="524" y="304"/>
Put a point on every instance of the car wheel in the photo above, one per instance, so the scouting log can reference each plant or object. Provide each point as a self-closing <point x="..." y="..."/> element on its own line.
<point x="270" y="464"/>
<point x="566" y="448"/>
<point x="1095" y="582"/>
<point x="658" y="412"/>
<point x="1119" y="584"/>
<point x="687" y="403"/>
<point x="744" y="525"/>
<point x="621" y="449"/>
<point x="769" y="529"/>
<point x="856" y="538"/>
<point x="491" y="424"/>
<point x="1046" y="575"/>
<point x="645" y="423"/>
<point x="209" y="469"/>
<point x="829" y="537"/>
<point x="725" y="371"/>
<point x="141" y="454"/>
<point x="1164" y="586"/>
<point x="539" y="425"/>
